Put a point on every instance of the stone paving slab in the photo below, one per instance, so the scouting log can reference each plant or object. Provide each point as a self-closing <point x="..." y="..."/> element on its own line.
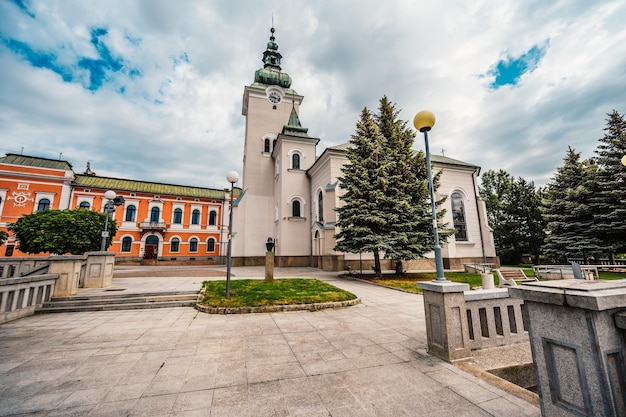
<point x="365" y="360"/>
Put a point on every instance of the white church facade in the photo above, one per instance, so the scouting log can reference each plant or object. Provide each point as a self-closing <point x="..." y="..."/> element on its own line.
<point x="291" y="193"/>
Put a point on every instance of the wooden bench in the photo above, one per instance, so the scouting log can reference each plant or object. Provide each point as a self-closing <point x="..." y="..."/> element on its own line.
<point x="508" y="277"/>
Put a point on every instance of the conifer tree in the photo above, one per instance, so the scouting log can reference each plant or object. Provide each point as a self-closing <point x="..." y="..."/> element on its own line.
<point x="609" y="200"/>
<point x="569" y="216"/>
<point x="386" y="201"/>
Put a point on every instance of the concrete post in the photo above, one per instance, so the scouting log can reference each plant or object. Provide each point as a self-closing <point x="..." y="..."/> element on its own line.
<point x="577" y="348"/>
<point x="446" y="320"/>
<point x="269" y="266"/>
<point x="99" y="270"/>
<point x="68" y="270"/>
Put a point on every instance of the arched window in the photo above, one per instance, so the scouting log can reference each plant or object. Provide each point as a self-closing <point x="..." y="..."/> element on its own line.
<point x="212" y="218"/>
<point x="155" y="214"/>
<point x="84" y="205"/>
<point x="193" y="245"/>
<point x="210" y="245"/>
<point x="178" y="216"/>
<point x="130" y="213"/>
<point x="127" y="244"/>
<point x="195" y="217"/>
<point x="174" y="244"/>
<point x="266" y="146"/>
<point x="320" y="207"/>
<point x="295" y="161"/>
<point x="458" y="216"/>
<point x="295" y="208"/>
<point x="44" y="204"/>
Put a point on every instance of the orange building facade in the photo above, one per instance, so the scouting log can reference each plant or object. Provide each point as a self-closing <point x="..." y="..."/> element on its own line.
<point x="156" y="220"/>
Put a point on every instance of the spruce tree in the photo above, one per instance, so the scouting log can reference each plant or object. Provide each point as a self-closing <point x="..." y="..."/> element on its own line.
<point x="569" y="216"/>
<point x="609" y="200"/>
<point x="362" y="219"/>
<point x="386" y="201"/>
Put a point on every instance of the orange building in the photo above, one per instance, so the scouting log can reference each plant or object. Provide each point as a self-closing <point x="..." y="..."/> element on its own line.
<point x="156" y="220"/>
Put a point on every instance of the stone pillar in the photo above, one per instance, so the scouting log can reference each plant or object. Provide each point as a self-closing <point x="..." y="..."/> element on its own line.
<point x="68" y="270"/>
<point x="446" y="320"/>
<point x="577" y="347"/>
<point x="269" y="266"/>
<point x="99" y="270"/>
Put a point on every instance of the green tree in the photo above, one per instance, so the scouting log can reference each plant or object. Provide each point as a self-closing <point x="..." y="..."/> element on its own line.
<point x="609" y="199"/>
<point x="3" y="237"/>
<point x="386" y="206"/>
<point x="61" y="231"/>
<point x="514" y="212"/>
<point x="569" y="216"/>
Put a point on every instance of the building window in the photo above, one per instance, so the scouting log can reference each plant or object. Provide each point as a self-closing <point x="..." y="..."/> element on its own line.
<point x="84" y="205"/>
<point x="295" y="161"/>
<point x="175" y="245"/>
<point x="195" y="217"/>
<point x="320" y="207"/>
<point x="178" y="216"/>
<point x="210" y="245"/>
<point x="212" y="218"/>
<point x="130" y="213"/>
<point x="44" y="204"/>
<point x="295" y="208"/>
<point x="266" y="146"/>
<point x="458" y="216"/>
<point x="155" y="214"/>
<point x="126" y="244"/>
<point x="193" y="245"/>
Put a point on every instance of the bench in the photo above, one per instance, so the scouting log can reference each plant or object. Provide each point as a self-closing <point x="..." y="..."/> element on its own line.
<point x="508" y="277"/>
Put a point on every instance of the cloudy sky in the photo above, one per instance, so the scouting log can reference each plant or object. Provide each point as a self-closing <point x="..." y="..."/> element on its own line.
<point x="152" y="90"/>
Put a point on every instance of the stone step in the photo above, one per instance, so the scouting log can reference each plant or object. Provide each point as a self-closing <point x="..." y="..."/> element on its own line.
<point x="116" y="295"/>
<point x="112" y="307"/>
<point x="136" y="298"/>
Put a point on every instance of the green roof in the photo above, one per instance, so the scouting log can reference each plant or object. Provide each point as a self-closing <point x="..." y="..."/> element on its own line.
<point x="32" y="161"/>
<point x="117" y="184"/>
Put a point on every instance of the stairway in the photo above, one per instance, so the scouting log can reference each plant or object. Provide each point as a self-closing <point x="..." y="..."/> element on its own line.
<point x="119" y="302"/>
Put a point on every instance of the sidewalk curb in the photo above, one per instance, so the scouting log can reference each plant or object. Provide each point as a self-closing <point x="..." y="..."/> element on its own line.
<point x="275" y="309"/>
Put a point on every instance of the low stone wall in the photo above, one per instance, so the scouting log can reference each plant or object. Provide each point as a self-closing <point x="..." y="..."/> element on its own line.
<point x="20" y="296"/>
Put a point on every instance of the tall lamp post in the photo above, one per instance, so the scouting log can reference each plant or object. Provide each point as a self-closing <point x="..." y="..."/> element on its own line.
<point x="423" y="122"/>
<point x="232" y="177"/>
<point x="109" y="196"/>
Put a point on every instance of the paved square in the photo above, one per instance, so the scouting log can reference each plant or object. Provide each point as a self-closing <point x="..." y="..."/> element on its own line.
<point x="366" y="360"/>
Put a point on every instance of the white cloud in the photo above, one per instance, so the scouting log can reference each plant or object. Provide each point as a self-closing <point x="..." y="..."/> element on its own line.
<point x="180" y="120"/>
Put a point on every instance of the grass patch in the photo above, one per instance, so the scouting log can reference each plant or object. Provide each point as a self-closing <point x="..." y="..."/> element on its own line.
<point x="408" y="282"/>
<point x="256" y="293"/>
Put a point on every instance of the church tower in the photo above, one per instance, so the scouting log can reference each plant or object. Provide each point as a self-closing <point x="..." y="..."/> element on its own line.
<point x="277" y="153"/>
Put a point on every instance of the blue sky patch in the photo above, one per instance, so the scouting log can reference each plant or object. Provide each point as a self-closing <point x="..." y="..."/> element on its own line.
<point x="23" y="7"/>
<point x="509" y="70"/>
<point x="100" y="69"/>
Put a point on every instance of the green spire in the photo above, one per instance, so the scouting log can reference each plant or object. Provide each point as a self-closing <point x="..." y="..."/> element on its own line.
<point x="293" y="126"/>
<point x="271" y="73"/>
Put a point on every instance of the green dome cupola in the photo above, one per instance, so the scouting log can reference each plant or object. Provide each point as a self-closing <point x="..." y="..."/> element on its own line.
<point x="271" y="73"/>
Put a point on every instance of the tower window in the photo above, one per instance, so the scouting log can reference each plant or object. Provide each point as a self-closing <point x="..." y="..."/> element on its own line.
<point x="266" y="146"/>
<point x="295" y="161"/>
<point x="295" y="208"/>
<point x="458" y="216"/>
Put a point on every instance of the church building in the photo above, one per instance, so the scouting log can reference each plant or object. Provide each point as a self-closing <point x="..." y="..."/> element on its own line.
<point x="291" y="194"/>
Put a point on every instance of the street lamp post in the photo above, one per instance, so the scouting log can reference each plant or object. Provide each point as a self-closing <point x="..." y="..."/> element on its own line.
<point x="109" y="196"/>
<point x="232" y="177"/>
<point x="423" y="122"/>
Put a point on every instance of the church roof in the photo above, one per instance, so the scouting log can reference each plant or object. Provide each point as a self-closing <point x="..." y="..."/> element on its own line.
<point x="32" y="161"/>
<point x="293" y="126"/>
<point x="119" y="184"/>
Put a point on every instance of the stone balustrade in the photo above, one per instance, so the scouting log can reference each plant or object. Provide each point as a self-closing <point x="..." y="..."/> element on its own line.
<point x="20" y="296"/>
